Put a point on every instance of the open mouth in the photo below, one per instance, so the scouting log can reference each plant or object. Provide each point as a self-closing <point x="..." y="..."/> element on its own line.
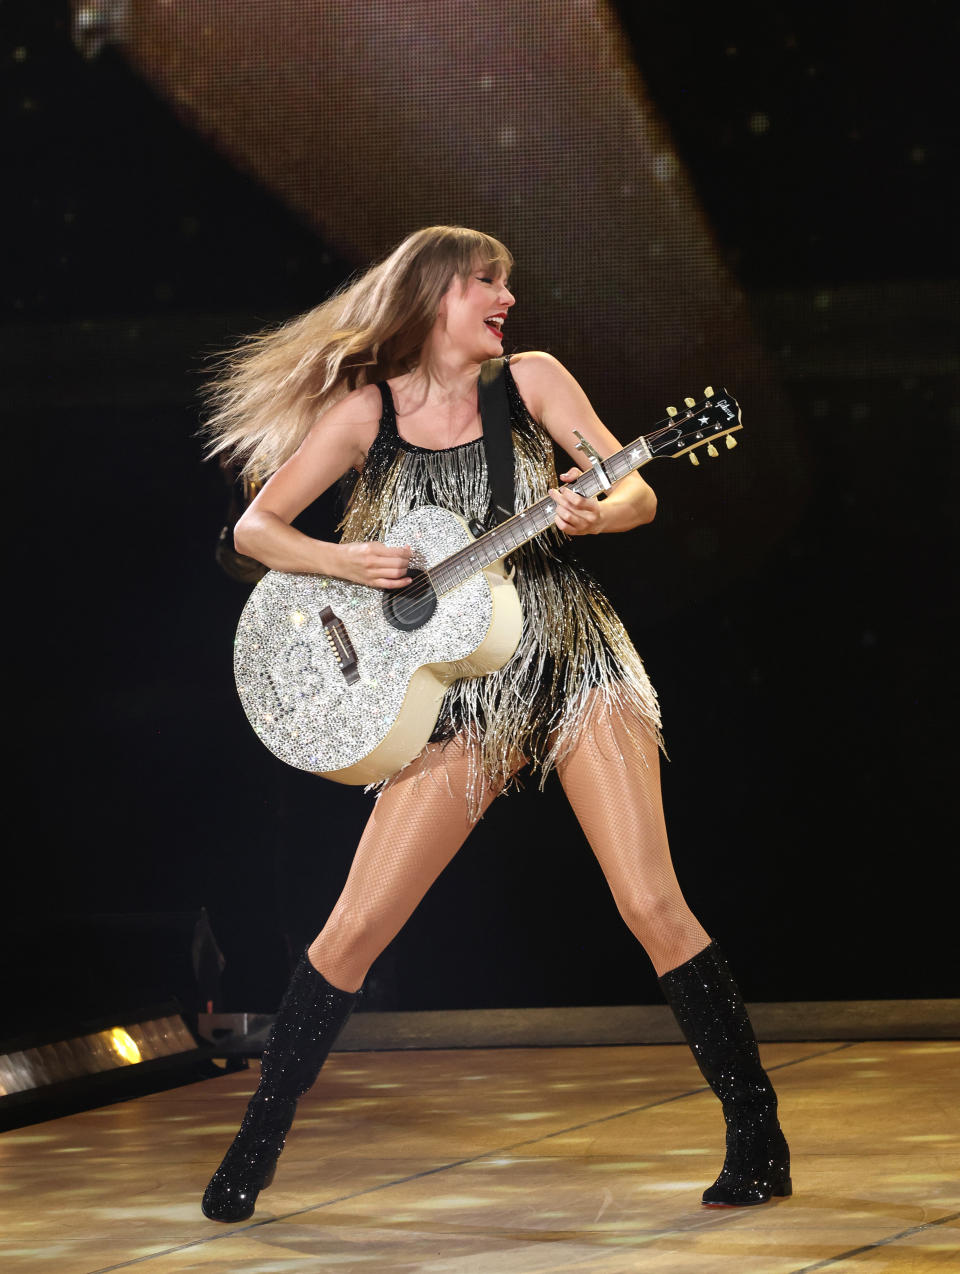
<point x="495" y="324"/>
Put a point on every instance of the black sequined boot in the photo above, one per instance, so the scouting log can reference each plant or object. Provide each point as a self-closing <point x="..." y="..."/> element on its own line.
<point x="707" y="1004"/>
<point x="308" y="1021"/>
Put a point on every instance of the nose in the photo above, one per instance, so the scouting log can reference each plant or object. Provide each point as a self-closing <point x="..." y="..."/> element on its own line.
<point x="506" y="296"/>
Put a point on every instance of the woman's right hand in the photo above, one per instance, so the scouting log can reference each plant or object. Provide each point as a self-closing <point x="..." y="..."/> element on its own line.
<point x="374" y="564"/>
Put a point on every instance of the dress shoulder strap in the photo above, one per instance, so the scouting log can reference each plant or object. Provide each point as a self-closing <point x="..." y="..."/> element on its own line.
<point x="388" y="417"/>
<point x="497" y="439"/>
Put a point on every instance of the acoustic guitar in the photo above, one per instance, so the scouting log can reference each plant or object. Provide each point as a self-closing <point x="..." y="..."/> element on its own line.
<point x="347" y="681"/>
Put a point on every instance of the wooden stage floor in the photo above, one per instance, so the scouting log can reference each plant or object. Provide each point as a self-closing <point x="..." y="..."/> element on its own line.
<point x="501" y="1161"/>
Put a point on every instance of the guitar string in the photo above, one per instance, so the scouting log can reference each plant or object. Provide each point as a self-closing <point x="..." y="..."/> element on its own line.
<point x="522" y="520"/>
<point x="424" y="585"/>
<point x="450" y="563"/>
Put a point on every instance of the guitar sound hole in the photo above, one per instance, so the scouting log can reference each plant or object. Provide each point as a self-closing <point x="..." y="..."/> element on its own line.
<point x="410" y="607"/>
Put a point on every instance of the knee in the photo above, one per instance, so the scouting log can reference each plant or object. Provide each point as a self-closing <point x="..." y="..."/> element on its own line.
<point x="650" y="915"/>
<point x="347" y="938"/>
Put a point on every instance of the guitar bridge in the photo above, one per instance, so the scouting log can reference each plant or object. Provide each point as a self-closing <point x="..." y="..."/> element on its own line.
<point x="341" y="645"/>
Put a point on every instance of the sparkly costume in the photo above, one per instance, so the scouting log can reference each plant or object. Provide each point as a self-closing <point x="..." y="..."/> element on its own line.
<point x="572" y="647"/>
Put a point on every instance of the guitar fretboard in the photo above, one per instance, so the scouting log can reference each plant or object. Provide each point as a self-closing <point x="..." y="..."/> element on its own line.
<point x="509" y="535"/>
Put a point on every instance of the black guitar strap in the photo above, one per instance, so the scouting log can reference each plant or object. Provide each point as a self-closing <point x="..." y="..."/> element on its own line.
<point x="497" y="440"/>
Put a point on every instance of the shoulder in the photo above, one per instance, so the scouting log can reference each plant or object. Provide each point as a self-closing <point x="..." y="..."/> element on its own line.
<point x="540" y="378"/>
<point x="535" y="368"/>
<point x="363" y="407"/>
<point x="351" y="424"/>
<point x="357" y="412"/>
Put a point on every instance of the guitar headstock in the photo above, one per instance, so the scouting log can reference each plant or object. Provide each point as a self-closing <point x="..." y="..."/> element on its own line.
<point x="717" y="415"/>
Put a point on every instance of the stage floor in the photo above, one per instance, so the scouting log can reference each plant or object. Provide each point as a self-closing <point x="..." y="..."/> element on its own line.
<point x="501" y="1161"/>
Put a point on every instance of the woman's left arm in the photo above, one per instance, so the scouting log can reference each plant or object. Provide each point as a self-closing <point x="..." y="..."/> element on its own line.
<point x="557" y="401"/>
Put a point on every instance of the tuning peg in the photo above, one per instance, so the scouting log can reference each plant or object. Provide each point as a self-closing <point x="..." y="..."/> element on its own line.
<point x="708" y="392"/>
<point x="690" y="402"/>
<point x="731" y="442"/>
<point x="712" y="451"/>
<point x="671" y="412"/>
<point x="693" y="458"/>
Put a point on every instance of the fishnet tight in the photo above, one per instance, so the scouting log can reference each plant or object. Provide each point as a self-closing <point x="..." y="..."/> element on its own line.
<point x="612" y="780"/>
<point x="419" y="822"/>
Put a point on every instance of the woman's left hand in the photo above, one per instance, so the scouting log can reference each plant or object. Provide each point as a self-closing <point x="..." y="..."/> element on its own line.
<point x="575" y="515"/>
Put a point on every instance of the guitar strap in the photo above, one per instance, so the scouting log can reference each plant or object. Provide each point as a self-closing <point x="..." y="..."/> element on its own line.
<point x="497" y="440"/>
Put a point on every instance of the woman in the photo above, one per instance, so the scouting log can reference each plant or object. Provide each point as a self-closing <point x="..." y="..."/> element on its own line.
<point x="382" y="379"/>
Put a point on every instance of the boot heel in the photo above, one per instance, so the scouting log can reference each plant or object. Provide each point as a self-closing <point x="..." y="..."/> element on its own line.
<point x="715" y="1023"/>
<point x="307" y="1023"/>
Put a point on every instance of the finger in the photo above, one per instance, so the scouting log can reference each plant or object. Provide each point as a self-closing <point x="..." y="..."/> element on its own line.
<point x="577" y="521"/>
<point x="391" y="550"/>
<point x="393" y="583"/>
<point x="571" y="475"/>
<point x="569" y="500"/>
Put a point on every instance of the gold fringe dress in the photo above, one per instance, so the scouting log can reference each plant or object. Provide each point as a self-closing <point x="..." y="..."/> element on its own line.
<point x="572" y="645"/>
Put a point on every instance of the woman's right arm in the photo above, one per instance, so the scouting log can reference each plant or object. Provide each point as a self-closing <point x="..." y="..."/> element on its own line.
<point x="340" y="441"/>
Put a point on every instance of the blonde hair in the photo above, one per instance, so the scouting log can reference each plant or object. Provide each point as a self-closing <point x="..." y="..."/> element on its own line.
<point x="269" y="392"/>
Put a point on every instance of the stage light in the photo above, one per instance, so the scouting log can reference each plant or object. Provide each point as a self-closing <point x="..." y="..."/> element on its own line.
<point x="124" y="1044"/>
<point x="111" y="1048"/>
<point x="101" y="1061"/>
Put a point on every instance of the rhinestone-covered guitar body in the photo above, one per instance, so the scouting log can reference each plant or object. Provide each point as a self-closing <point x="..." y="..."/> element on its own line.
<point x="331" y="685"/>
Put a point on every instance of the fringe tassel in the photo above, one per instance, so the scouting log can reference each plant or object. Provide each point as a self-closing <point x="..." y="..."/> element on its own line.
<point x="574" y="650"/>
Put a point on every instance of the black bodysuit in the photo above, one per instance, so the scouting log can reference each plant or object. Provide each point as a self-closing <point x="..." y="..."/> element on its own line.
<point x="573" y="646"/>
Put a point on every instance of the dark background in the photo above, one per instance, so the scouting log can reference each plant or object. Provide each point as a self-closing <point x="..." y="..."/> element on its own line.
<point x="807" y="699"/>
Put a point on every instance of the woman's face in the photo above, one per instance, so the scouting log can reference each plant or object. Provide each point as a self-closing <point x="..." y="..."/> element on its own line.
<point x="471" y="314"/>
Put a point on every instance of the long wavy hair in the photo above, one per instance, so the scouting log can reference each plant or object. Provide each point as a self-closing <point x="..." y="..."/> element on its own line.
<point x="269" y="392"/>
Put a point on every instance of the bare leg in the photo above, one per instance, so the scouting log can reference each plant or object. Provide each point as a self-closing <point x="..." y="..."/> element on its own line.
<point x="612" y="780"/>
<point x="417" y="825"/>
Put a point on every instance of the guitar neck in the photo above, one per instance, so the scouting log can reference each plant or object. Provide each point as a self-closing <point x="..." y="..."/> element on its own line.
<point x="525" y="526"/>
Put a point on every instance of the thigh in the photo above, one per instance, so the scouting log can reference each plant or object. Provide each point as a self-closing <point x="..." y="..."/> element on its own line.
<point x="418" y="823"/>
<point x="611" y="777"/>
<point x="612" y="780"/>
